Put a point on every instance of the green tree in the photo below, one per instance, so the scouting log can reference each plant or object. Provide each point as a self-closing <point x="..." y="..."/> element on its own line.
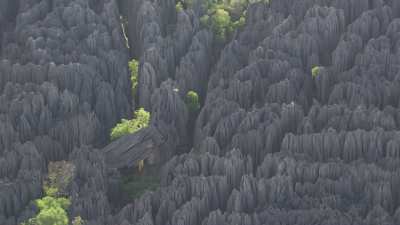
<point x="192" y="101"/>
<point x="52" y="212"/>
<point x="141" y="119"/>
<point x="52" y="207"/>
<point x="134" y="70"/>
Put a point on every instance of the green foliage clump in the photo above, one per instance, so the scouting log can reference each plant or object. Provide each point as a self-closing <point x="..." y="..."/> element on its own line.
<point x="221" y="23"/>
<point x="78" y="221"/>
<point x="225" y="16"/>
<point x="52" y="212"/>
<point x="315" y="71"/>
<point x="141" y="119"/>
<point x="192" y="101"/>
<point x="134" y="71"/>
<point x="53" y="206"/>
<point x="179" y="7"/>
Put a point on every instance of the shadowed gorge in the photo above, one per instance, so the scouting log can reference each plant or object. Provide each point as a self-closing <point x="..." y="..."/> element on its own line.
<point x="260" y="112"/>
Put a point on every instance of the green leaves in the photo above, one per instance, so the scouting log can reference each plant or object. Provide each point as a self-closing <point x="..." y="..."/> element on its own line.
<point x="78" y="221"/>
<point x="224" y="16"/>
<point x="220" y="23"/>
<point x="315" y="71"/>
<point x="192" y="101"/>
<point x="49" y="202"/>
<point x="52" y="212"/>
<point x="52" y="207"/>
<point x="134" y="71"/>
<point x="179" y="7"/>
<point x="141" y="120"/>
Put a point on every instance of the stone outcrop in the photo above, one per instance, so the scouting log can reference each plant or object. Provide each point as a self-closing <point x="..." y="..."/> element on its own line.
<point x="273" y="143"/>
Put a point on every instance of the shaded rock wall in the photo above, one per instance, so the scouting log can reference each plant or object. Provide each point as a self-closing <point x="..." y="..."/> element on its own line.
<point x="272" y="144"/>
<point x="64" y="83"/>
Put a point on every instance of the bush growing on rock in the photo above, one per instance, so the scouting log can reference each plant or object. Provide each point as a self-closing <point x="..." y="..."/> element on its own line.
<point x="52" y="207"/>
<point x="315" y="71"/>
<point x="134" y="71"/>
<point x="141" y="119"/>
<point x="221" y="23"/>
<point x="192" y="101"/>
<point x="225" y="16"/>
<point x="179" y="7"/>
<point x="52" y="212"/>
<point x="78" y="221"/>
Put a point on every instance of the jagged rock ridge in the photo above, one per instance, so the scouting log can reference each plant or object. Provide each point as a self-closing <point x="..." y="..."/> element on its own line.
<point x="271" y="145"/>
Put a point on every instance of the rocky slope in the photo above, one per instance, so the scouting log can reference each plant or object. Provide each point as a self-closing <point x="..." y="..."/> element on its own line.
<point x="271" y="145"/>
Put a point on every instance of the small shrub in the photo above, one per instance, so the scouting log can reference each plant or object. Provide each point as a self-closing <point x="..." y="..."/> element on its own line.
<point x="192" y="101"/>
<point x="52" y="211"/>
<point x="221" y="23"/>
<point x="179" y="7"/>
<point x="141" y="120"/>
<point x="225" y="16"/>
<point x="134" y="71"/>
<point x="315" y="71"/>
<point x="78" y="221"/>
<point x="52" y="207"/>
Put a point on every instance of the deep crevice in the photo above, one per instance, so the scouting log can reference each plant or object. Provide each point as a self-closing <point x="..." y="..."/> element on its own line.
<point x="12" y="10"/>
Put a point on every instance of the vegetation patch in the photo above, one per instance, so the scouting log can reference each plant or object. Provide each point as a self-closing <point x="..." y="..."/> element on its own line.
<point x="53" y="206"/>
<point x="221" y="16"/>
<point x="78" y="221"/>
<point x="179" y="7"/>
<point x="192" y="101"/>
<point x="315" y="71"/>
<point x="141" y="119"/>
<point x="134" y="72"/>
<point x="52" y="211"/>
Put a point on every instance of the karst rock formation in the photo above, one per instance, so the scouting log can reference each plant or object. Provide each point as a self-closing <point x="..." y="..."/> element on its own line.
<point x="271" y="145"/>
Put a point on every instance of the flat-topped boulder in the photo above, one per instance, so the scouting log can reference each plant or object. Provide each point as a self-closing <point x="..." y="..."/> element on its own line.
<point x="128" y="150"/>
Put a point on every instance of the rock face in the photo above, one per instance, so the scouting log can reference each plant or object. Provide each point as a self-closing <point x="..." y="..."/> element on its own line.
<point x="128" y="150"/>
<point x="64" y="83"/>
<point x="271" y="144"/>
